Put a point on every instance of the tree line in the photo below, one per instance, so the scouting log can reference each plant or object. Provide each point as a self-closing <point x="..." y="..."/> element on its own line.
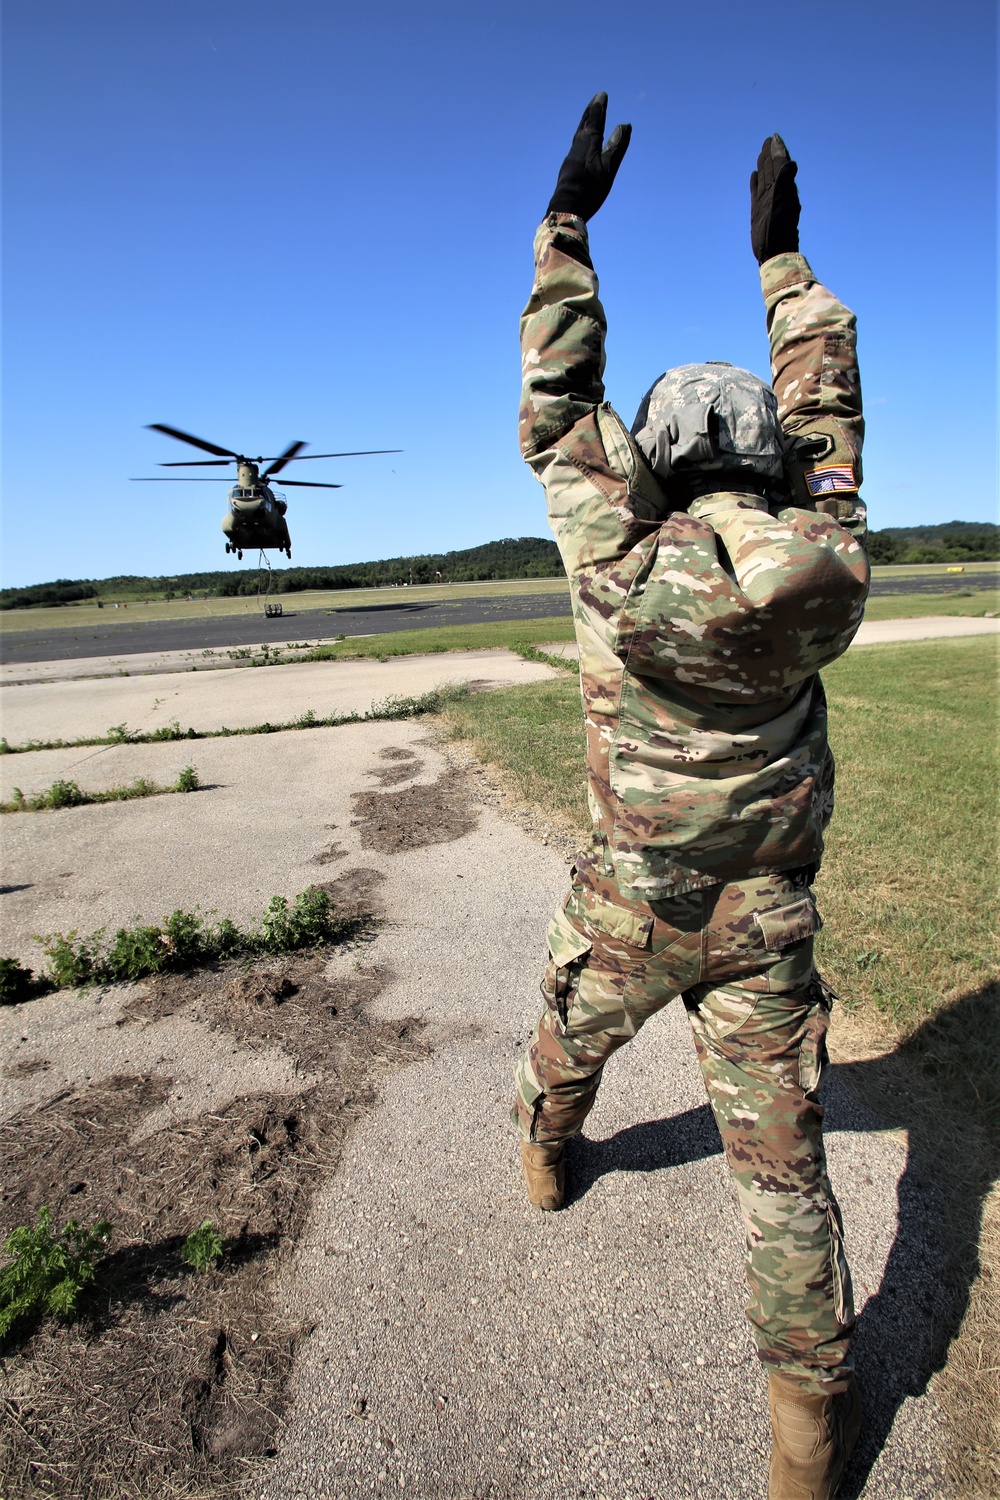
<point x="513" y="557"/>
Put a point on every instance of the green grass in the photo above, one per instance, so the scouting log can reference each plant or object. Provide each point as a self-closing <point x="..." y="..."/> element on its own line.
<point x="478" y="637"/>
<point x="68" y="794"/>
<point x="534" y="735"/>
<point x="967" y="600"/>
<point x="909" y="881"/>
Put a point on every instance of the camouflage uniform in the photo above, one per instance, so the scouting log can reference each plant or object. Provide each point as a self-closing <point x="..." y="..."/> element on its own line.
<point x="710" y="780"/>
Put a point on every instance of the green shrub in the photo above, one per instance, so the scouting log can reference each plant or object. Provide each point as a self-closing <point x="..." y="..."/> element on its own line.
<point x="188" y="781"/>
<point x="72" y="961"/>
<point x="49" y="1271"/>
<point x="428" y="703"/>
<point x="134" y="953"/>
<point x="203" y="1247"/>
<point x="306" y="923"/>
<point x="227" y="939"/>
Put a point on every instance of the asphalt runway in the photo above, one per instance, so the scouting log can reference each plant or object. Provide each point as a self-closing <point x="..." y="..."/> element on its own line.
<point x="251" y="629"/>
<point x="119" y="639"/>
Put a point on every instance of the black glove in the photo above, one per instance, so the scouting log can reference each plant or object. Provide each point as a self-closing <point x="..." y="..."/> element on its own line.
<point x="586" y="175"/>
<point x="774" y="202"/>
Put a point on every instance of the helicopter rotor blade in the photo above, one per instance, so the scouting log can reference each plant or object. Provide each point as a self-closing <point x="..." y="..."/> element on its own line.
<point x="199" y="463"/>
<point x="283" y="458"/>
<point x="177" y="479"/>
<point x="361" y="453"/>
<point x="185" y="437"/>
<point x="304" y="484"/>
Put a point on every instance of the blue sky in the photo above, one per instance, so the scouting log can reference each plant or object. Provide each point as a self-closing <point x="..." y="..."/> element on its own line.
<point x="266" y="221"/>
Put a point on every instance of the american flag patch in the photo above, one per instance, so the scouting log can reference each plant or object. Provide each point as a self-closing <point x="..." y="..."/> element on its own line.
<point x="826" y="481"/>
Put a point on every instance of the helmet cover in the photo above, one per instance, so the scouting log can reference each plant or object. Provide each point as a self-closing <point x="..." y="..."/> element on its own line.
<point x="710" y="416"/>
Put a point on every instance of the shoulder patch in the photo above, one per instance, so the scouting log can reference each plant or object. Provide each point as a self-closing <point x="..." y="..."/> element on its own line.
<point x="833" y="477"/>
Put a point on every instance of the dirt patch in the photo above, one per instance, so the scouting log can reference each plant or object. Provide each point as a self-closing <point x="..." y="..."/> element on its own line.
<point x="393" y="775"/>
<point x="397" y="752"/>
<point x="331" y="855"/>
<point x="27" y="1068"/>
<point x="392" y="822"/>
<point x="171" y="1382"/>
<point x="356" y="892"/>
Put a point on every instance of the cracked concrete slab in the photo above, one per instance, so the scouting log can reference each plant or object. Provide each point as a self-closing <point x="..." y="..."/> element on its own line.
<point x="239" y="696"/>
<point x="61" y="1043"/>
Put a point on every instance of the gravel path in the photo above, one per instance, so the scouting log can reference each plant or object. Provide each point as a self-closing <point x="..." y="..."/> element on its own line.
<point x="467" y="1346"/>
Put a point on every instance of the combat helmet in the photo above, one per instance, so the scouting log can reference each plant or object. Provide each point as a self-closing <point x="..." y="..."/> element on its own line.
<point x="710" y="418"/>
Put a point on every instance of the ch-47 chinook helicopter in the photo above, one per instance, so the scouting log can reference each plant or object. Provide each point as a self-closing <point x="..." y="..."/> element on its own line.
<point x="256" y="515"/>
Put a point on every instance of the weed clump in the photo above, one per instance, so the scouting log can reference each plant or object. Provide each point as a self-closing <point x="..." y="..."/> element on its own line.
<point x="49" y="1271"/>
<point x="68" y="794"/>
<point x="184" y="940"/>
<point x="389" y="708"/>
<point x="203" y="1247"/>
<point x="397" y="707"/>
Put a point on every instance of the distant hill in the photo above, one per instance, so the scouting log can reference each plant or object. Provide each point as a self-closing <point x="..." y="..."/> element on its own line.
<point x="951" y="541"/>
<point x="520" y="557"/>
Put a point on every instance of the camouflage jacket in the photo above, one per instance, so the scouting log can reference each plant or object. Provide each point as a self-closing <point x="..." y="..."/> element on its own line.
<point x="701" y="630"/>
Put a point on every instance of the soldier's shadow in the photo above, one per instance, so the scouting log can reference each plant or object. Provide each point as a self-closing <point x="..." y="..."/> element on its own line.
<point x="905" y="1330"/>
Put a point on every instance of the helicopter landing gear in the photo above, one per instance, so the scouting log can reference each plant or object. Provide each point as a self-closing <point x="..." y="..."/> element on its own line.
<point x="239" y="553"/>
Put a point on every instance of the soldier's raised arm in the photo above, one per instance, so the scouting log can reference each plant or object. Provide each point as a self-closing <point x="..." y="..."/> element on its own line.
<point x="814" y="362"/>
<point x="595" y="484"/>
<point x="563" y="325"/>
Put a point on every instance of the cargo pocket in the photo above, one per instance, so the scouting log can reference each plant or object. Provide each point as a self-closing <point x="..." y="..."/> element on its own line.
<point x="813" y="1056"/>
<point x="620" y="923"/>
<point x="785" y="925"/>
<point x="568" y="951"/>
<point x="787" y="933"/>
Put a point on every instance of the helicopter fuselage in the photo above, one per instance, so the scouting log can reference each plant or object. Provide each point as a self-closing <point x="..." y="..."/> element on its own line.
<point x="256" y="518"/>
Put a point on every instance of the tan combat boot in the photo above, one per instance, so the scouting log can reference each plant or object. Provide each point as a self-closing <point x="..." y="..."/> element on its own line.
<point x="814" y="1436"/>
<point x="544" y="1173"/>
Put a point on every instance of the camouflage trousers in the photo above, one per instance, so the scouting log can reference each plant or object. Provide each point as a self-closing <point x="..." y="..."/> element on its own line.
<point x="741" y="956"/>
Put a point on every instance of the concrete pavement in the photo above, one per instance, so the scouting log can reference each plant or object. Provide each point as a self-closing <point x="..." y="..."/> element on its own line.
<point x="463" y="1345"/>
<point x="236" y="697"/>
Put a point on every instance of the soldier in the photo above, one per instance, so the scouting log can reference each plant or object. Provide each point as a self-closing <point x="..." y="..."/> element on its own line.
<point x="715" y="565"/>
